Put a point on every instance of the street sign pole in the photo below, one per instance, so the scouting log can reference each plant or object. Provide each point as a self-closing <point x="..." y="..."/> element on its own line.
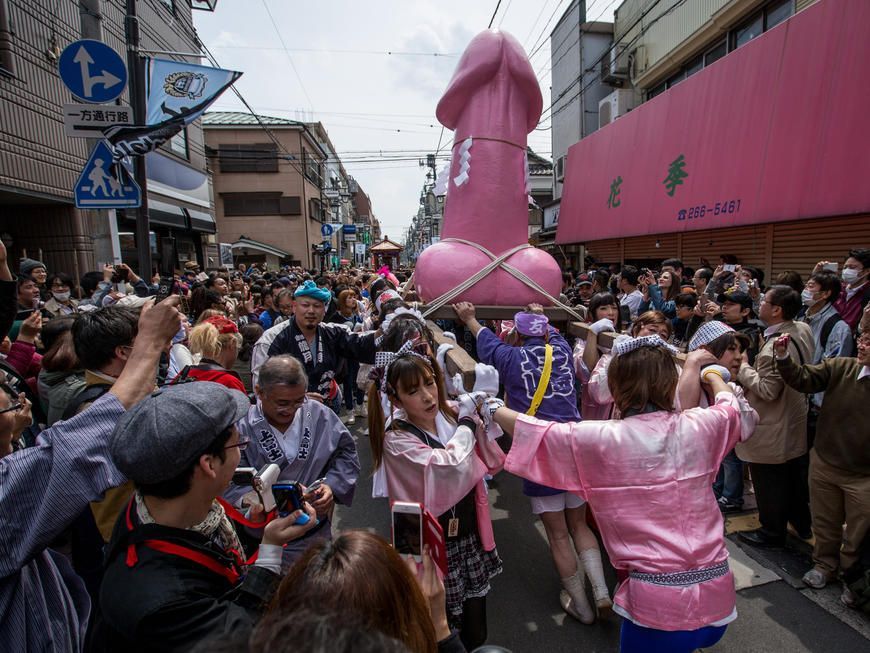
<point x="137" y="100"/>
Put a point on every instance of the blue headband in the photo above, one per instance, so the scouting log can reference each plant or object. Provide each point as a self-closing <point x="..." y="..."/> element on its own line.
<point x="310" y="289"/>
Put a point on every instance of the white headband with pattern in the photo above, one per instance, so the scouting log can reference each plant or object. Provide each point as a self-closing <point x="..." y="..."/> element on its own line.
<point x="625" y="346"/>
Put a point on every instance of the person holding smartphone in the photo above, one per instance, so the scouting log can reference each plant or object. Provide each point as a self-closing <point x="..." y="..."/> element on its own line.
<point x="436" y="454"/>
<point x="177" y="569"/>
<point x="305" y="439"/>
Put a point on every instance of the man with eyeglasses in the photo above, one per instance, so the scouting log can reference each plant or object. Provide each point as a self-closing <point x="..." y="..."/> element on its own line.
<point x="15" y="416"/>
<point x="777" y="452"/>
<point x="304" y="438"/>
<point x="177" y="568"/>
<point x="840" y="458"/>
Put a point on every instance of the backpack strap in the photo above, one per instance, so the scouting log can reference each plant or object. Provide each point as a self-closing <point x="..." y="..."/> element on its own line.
<point x="827" y="327"/>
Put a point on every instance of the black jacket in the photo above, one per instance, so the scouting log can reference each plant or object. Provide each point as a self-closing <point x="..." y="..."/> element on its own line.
<point x="334" y="343"/>
<point x="156" y="601"/>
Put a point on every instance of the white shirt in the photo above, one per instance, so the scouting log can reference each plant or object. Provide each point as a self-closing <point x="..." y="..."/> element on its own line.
<point x="865" y="371"/>
<point x="632" y="300"/>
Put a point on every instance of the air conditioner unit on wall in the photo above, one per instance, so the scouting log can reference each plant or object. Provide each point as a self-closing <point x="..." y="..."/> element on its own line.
<point x="614" y="66"/>
<point x="560" y="167"/>
<point x="614" y="106"/>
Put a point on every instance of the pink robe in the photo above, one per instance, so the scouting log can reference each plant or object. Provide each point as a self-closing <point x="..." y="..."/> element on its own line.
<point x="439" y="478"/>
<point x="648" y="478"/>
<point x="595" y="400"/>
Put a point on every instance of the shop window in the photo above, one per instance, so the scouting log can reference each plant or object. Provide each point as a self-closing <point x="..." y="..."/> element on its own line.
<point x="715" y="53"/>
<point x="240" y="204"/>
<point x="749" y="30"/>
<point x="694" y="66"/>
<point x="777" y="12"/>
<point x="657" y="90"/>
<point x="312" y="168"/>
<point x="315" y="210"/>
<point x="676" y="79"/>
<point x="248" y="157"/>
<point x="178" y="144"/>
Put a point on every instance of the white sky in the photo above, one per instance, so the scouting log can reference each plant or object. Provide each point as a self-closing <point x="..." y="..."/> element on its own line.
<point x="364" y="97"/>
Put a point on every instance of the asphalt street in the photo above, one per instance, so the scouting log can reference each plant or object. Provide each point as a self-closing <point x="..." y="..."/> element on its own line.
<point x="524" y="614"/>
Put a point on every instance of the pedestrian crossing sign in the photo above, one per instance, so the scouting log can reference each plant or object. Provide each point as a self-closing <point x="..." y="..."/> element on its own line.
<point x="104" y="184"/>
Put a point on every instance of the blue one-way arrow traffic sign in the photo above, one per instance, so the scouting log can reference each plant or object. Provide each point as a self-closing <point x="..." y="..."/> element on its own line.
<point x="92" y="71"/>
<point x="105" y="186"/>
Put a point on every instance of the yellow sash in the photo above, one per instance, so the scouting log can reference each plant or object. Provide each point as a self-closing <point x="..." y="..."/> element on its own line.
<point x="541" y="390"/>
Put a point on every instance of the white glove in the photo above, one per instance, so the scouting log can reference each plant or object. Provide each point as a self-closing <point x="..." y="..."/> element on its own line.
<point x="441" y="355"/>
<point x="454" y="385"/>
<point x="485" y="379"/>
<point x="718" y="370"/>
<point x="492" y="404"/>
<point x="602" y="325"/>
<point x="449" y="334"/>
<point x="441" y="359"/>
<point x="469" y="403"/>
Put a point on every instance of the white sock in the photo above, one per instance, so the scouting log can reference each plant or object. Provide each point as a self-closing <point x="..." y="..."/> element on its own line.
<point x="575" y="586"/>
<point x="591" y="559"/>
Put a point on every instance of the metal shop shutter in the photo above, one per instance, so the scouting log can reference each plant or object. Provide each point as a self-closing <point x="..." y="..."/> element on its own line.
<point x="644" y="247"/>
<point x="748" y="244"/>
<point x="605" y="251"/>
<point x="800" y="245"/>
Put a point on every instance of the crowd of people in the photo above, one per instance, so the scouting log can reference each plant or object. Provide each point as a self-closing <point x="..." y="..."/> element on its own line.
<point x="141" y="436"/>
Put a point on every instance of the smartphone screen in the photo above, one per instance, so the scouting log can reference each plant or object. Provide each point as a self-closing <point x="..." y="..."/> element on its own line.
<point x="830" y="266"/>
<point x="164" y="289"/>
<point x="288" y="497"/>
<point x="408" y="533"/>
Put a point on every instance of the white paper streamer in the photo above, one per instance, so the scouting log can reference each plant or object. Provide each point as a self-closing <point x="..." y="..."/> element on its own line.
<point x="464" y="162"/>
<point x="442" y="179"/>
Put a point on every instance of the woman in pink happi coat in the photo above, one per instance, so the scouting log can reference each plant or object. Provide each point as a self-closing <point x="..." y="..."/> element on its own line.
<point x="648" y="477"/>
<point x="438" y="456"/>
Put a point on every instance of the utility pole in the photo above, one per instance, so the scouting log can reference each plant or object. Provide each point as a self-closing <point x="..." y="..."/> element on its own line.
<point x="135" y="74"/>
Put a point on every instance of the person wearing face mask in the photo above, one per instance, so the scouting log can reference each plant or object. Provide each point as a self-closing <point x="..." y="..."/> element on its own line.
<point x="831" y="332"/>
<point x="855" y="293"/>
<point x="61" y="302"/>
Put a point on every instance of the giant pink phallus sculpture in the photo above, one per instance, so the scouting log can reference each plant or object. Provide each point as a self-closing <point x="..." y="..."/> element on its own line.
<point x="492" y="103"/>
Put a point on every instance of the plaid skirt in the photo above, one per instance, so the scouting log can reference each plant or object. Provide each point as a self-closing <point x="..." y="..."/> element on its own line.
<point x="469" y="569"/>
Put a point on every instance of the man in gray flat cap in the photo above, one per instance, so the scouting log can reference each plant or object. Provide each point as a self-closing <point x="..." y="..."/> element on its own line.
<point x="177" y="572"/>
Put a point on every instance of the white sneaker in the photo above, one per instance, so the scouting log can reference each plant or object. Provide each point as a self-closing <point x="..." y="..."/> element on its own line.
<point x="360" y="410"/>
<point x="815" y="578"/>
<point x="351" y="420"/>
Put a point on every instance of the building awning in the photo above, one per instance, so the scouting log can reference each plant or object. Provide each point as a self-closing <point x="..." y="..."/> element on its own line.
<point x="247" y="244"/>
<point x="775" y="131"/>
<point x="168" y="215"/>
<point x="201" y="221"/>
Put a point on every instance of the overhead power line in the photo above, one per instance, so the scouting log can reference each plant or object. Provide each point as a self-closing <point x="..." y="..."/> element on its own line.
<point x="287" y="52"/>
<point x="392" y="53"/>
<point x="497" y="5"/>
